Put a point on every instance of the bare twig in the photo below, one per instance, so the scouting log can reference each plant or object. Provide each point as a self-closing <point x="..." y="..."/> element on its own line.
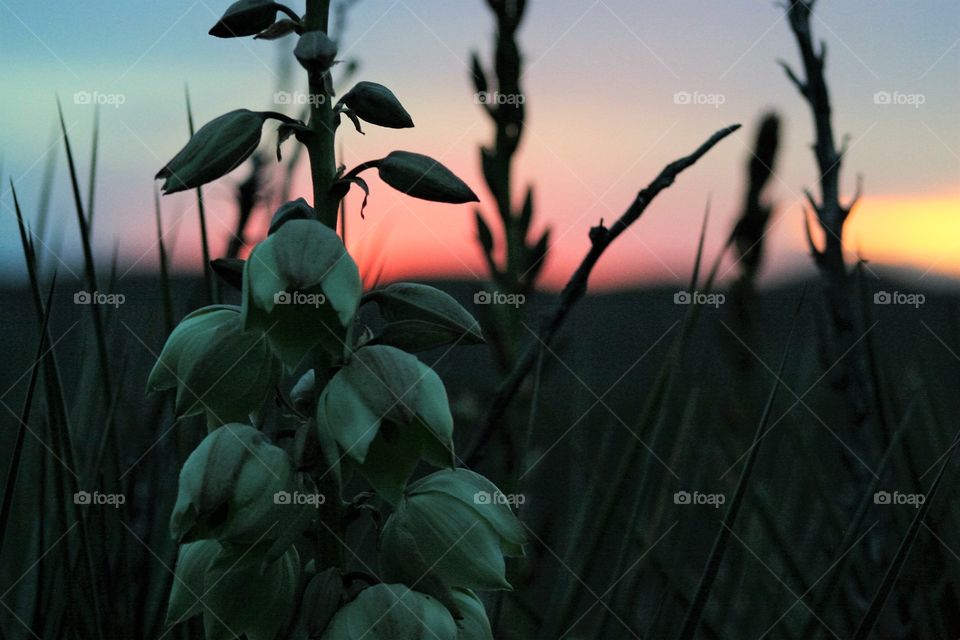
<point x="830" y="213"/>
<point x="600" y="238"/>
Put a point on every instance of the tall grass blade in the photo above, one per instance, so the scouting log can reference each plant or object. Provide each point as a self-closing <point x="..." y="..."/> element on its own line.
<point x="208" y="278"/>
<point x="896" y="565"/>
<point x="92" y="182"/>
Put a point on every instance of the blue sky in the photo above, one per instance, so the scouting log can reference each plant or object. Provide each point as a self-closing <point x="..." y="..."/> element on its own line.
<point x="600" y="89"/>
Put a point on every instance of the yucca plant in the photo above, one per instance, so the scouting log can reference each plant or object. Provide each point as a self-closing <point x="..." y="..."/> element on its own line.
<point x="263" y="528"/>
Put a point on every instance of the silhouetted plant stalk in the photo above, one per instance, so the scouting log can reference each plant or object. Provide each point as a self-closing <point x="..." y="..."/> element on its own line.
<point x="522" y="261"/>
<point x="262" y="529"/>
<point x="850" y="374"/>
<point x="601" y="238"/>
<point x="750" y="229"/>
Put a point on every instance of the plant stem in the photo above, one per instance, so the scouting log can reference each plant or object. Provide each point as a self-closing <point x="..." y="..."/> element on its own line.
<point x="323" y="124"/>
<point x="323" y="170"/>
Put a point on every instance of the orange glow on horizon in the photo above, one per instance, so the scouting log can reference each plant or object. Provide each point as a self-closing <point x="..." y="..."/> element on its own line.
<point x="919" y="232"/>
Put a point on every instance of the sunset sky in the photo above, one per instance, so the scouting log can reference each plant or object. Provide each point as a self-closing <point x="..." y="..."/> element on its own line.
<point x="600" y="85"/>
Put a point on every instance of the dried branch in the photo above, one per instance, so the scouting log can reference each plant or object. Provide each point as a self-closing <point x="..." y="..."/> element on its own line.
<point x="849" y="375"/>
<point x="600" y="238"/>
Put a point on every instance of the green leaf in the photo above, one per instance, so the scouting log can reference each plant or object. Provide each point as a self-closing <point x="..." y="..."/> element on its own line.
<point x="216" y="366"/>
<point x="302" y="288"/>
<point x="484" y="235"/>
<point x="245" y="18"/>
<point x="423" y="177"/>
<point x="423" y="317"/>
<point x="216" y="149"/>
<point x="376" y="104"/>
<point x="392" y="612"/>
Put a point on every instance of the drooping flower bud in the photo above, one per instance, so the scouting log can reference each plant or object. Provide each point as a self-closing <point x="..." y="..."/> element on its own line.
<point x="216" y="149"/>
<point x="423" y="177"/>
<point x="228" y="486"/>
<point x="222" y="583"/>
<point x="245" y="18"/>
<point x="376" y="104"/>
<point x="295" y="210"/>
<point x="422" y="317"/>
<point x="216" y="366"/>
<point x="315" y="52"/>
<point x="386" y="411"/>
<point x="472" y="623"/>
<point x="392" y="612"/>
<point x="451" y="531"/>
<point x="301" y="288"/>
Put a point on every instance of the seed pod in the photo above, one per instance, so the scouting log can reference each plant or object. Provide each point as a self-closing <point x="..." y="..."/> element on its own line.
<point x="376" y="104"/>
<point x="228" y="486"/>
<point x="216" y="149"/>
<point x="423" y="177"/>
<point x="392" y="612"/>
<point x="316" y="52"/>
<point x="452" y="529"/>
<point x="245" y="18"/>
